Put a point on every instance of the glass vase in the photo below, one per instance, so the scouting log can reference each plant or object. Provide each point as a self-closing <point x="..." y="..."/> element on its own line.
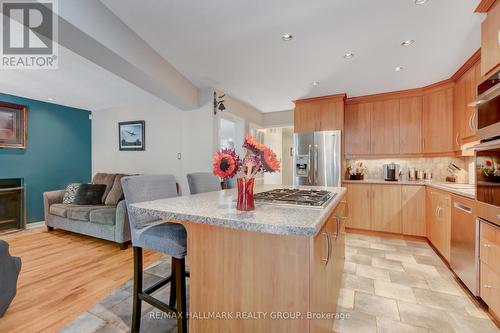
<point x="245" y="194"/>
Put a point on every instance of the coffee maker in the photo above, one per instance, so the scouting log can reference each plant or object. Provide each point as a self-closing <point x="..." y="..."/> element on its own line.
<point x="391" y="171"/>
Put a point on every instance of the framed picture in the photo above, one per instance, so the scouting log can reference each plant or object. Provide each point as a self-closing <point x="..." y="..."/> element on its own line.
<point x="12" y="125"/>
<point x="132" y="135"/>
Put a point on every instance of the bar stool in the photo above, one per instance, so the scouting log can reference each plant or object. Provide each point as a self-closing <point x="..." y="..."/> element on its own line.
<point x="201" y="182"/>
<point x="151" y="233"/>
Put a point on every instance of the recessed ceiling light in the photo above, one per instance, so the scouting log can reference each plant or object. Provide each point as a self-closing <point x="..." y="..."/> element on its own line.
<point x="398" y="69"/>
<point x="315" y="83"/>
<point x="407" y="42"/>
<point x="50" y="99"/>
<point x="287" y="37"/>
<point x="420" y="2"/>
<point x="348" y="55"/>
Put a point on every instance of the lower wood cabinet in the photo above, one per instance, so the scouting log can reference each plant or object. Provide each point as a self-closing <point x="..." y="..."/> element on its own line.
<point x="489" y="270"/>
<point x="326" y="268"/>
<point x="390" y="208"/>
<point x="413" y="210"/>
<point x="439" y="221"/>
<point x="386" y="208"/>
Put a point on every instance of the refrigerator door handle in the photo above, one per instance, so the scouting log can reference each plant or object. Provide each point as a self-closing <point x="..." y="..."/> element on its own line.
<point x="309" y="171"/>
<point x="316" y="174"/>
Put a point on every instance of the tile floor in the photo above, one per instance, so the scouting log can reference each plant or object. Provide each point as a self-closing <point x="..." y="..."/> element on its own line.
<point x="388" y="286"/>
<point x="393" y="285"/>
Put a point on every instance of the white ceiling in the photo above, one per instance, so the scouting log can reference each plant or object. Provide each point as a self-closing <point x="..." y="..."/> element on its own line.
<point x="77" y="83"/>
<point x="235" y="45"/>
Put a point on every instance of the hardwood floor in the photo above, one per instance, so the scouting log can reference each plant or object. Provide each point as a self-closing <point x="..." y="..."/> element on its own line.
<point x="63" y="274"/>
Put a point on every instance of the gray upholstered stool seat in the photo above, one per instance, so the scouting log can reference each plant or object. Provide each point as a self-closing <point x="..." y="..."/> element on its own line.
<point x="9" y="271"/>
<point x="150" y="233"/>
<point x="169" y="238"/>
<point x="201" y="182"/>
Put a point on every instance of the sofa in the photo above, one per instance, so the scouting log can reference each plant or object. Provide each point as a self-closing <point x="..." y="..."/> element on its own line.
<point x="9" y="271"/>
<point x="108" y="220"/>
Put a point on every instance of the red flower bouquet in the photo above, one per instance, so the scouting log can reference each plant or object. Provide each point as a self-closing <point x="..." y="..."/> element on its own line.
<point x="258" y="159"/>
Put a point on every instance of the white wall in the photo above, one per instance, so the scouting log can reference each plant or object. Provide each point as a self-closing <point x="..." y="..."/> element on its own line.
<point x="274" y="140"/>
<point x="169" y="131"/>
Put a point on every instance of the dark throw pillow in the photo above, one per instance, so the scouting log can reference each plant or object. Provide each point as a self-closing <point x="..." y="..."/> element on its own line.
<point x="69" y="195"/>
<point x="89" y="194"/>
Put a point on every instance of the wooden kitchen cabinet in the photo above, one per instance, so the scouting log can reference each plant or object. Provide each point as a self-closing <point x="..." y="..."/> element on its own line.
<point x="319" y="114"/>
<point x="385" y="127"/>
<point x="489" y="250"/>
<point x="489" y="288"/>
<point x="374" y="207"/>
<point x="459" y="112"/>
<point x="386" y="208"/>
<point x="307" y="117"/>
<point x="438" y="120"/>
<point x="439" y="221"/>
<point x="359" y="203"/>
<point x="490" y="48"/>
<point x="357" y="128"/>
<point x="489" y="272"/>
<point x="413" y="210"/>
<point x="410" y="125"/>
<point x="327" y="267"/>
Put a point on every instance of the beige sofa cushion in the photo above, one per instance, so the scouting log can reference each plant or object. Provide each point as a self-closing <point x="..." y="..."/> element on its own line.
<point x="106" y="179"/>
<point x="116" y="192"/>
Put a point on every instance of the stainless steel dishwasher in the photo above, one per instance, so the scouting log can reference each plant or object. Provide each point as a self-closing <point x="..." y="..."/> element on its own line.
<point x="464" y="254"/>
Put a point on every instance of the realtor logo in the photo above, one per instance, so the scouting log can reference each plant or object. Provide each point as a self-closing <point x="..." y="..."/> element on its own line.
<point x="29" y="31"/>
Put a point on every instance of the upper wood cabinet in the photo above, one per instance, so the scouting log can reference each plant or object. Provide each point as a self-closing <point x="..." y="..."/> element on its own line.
<point x="357" y="128"/>
<point x="490" y="48"/>
<point x="319" y="114"/>
<point x="385" y="127"/>
<point x="438" y="120"/>
<point x="307" y="117"/>
<point x="410" y="125"/>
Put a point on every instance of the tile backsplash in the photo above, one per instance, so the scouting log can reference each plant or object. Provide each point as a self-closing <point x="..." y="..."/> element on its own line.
<point x="438" y="166"/>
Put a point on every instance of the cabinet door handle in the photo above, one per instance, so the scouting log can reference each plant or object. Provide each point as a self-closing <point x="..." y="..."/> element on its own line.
<point x="486" y="245"/>
<point x="457" y="139"/>
<point x="470" y="122"/>
<point x="474" y="124"/>
<point x="487" y="286"/>
<point x="463" y="208"/>
<point x="328" y="248"/>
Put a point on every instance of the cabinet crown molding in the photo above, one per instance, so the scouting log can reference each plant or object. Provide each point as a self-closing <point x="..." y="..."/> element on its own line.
<point x="327" y="98"/>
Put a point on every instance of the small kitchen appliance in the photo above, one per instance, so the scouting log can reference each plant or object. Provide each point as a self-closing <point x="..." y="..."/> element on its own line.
<point x="391" y="171"/>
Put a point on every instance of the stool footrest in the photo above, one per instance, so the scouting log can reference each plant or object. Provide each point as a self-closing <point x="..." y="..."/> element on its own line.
<point x="157" y="285"/>
<point x="157" y="303"/>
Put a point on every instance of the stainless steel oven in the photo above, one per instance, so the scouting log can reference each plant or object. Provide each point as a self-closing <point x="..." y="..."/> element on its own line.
<point x="487" y="120"/>
<point x="488" y="172"/>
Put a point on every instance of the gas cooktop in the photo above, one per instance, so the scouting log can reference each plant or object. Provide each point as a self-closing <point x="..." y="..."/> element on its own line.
<point x="295" y="197"/>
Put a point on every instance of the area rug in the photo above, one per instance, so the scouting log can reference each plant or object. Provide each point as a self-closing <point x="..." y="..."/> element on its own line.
<point x="114" y="313"/>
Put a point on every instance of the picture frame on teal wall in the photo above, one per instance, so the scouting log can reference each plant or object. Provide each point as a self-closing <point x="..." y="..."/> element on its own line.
<point x="132" y="135"/>
<point x="13" y="131"/>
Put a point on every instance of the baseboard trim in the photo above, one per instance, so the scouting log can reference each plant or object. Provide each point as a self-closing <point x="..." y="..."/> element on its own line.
<point x="35" y="225"/>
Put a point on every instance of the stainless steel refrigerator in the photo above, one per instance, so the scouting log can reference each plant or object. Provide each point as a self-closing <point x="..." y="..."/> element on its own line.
<point x="317" y="158"/>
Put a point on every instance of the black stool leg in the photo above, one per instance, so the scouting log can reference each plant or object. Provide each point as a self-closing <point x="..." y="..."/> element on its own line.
<point x="137" y="304"/>
<point x="180" y="290"/>
<point x="173" y="293"/>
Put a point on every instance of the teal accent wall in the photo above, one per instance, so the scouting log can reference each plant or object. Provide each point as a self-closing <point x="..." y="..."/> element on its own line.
<point x="58" y="151"/>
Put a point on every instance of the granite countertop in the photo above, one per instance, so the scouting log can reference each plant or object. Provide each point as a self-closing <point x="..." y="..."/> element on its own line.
<point x="219" y="208"/>
<point x="465" y="190"/>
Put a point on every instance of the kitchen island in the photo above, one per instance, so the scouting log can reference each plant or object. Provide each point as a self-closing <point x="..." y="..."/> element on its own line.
<point x="275" y="269"/>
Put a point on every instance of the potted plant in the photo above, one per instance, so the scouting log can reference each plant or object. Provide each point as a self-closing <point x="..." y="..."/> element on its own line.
<point x="357" y="171"/>
<point x="258" y="159"/>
